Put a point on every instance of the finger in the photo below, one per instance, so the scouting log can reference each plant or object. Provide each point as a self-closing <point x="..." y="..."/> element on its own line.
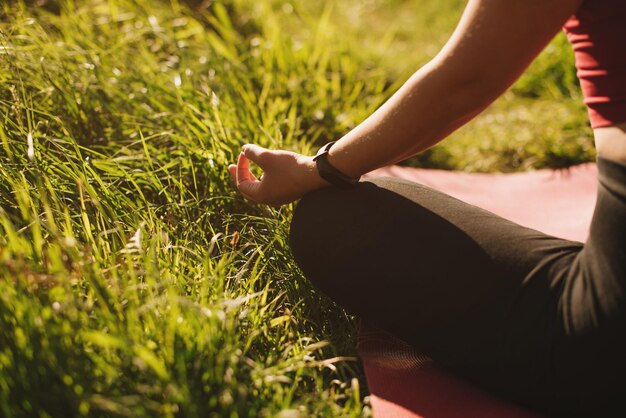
<point x="232" y="170"/>
<point x="243" y="170"/>
<point x="250" y="189"/>
<point x="247" y="183"/>
<point x="255" y="153"/>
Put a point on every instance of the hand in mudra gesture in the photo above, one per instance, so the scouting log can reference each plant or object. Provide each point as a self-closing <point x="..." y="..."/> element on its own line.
<point x="287" y="176"/>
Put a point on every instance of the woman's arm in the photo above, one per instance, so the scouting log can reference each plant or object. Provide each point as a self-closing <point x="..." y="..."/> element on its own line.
<point x="492" y="45"/>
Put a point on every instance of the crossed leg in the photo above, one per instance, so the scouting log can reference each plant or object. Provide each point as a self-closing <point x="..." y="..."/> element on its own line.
<point x="481" y="295"/>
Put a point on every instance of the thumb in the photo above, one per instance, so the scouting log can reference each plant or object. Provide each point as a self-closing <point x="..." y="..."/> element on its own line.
<point x="255" y="153"/>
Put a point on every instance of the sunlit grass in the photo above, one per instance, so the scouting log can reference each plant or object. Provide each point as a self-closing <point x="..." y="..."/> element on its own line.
<point x="135" y="280"/>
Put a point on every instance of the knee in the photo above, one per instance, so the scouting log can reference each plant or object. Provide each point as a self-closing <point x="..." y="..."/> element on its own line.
<point x="331" y="225"/>
<point x="310" y="228"/>
<point x="323" y="228"/>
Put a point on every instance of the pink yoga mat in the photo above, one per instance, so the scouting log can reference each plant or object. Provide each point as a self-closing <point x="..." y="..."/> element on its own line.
<point x="406" y="384"/>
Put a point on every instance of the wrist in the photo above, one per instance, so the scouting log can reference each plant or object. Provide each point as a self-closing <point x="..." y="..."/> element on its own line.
<point x="312" y="178"/>
<point x="329" y="172"/>
<point x="337" y="159"/>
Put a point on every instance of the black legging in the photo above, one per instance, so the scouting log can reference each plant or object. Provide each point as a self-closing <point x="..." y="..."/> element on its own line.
<point x="535" y="319"/>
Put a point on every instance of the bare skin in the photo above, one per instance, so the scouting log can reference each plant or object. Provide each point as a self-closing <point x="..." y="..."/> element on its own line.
<point x="493" y="44"/>
<point x="611" y="142"/>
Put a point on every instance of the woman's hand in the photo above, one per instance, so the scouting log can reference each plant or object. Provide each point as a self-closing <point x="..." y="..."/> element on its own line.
<point x="286" y="177"/>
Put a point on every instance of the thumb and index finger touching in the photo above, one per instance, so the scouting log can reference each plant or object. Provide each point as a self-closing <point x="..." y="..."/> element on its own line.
<point x="255" y="153"/>
<point x="246" y="181"/>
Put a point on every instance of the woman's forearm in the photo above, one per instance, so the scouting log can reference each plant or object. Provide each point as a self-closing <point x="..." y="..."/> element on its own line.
<point x="427" y="108"/>
<point x="492" y="45"/>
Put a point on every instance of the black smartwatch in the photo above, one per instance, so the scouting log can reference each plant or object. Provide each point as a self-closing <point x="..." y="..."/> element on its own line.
<point x="330" y="173"/>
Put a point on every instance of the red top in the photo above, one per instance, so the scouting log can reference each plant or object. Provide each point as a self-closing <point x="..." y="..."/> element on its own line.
<point x="597" y="32"/>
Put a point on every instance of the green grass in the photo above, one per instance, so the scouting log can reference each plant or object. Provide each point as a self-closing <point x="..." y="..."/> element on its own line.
<point x="134" y="280"/>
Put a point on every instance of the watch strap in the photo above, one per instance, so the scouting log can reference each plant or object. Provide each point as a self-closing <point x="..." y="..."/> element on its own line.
<point x="330" y="173"/>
